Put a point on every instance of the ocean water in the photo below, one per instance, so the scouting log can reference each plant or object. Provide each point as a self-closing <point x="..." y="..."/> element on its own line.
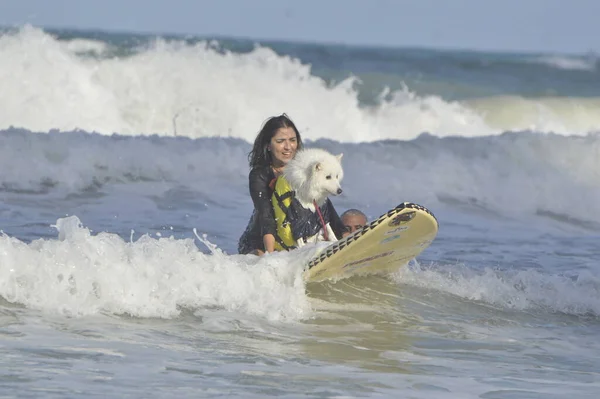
<point x="123" y="187"/>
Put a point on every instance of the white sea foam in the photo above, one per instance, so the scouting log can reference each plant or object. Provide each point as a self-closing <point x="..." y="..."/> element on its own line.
<point x="82" y="274"/>
<point x="577" y="63"/>
<point x="521" y="289"/>
<point x="195" y="90"/>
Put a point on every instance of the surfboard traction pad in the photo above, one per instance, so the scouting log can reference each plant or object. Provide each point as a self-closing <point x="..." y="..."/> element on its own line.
<point x="394" y="217"/>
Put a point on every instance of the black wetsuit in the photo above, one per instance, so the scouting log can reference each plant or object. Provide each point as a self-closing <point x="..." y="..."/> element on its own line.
<point x="263" y="222"/>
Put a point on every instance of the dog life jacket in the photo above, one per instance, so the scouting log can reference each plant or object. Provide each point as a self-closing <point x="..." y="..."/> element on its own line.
<point x="292" y="219"/>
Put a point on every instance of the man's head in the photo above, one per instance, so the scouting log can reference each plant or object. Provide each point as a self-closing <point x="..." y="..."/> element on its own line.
<point x="353" y="219"/>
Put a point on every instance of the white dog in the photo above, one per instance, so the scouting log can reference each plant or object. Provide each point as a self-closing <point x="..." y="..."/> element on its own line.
<point x="315" y="174"/>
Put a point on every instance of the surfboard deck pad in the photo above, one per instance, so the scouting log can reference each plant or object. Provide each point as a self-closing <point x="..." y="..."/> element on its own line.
<point x="381" y="247"/>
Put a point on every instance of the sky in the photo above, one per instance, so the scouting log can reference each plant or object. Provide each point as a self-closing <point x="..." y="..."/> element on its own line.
<point x="552" y="26"/>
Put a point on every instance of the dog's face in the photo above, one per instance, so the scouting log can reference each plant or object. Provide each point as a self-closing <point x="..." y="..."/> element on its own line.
<point x="328" y="174"/>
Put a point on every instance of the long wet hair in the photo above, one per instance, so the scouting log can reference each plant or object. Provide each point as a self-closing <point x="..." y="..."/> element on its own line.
<point x="260" y="154"/>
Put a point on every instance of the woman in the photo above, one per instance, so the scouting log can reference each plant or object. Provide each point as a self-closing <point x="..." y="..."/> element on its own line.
<point x="275" y="145"/>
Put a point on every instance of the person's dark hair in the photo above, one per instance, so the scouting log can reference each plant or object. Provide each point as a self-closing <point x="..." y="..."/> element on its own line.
<point x="260" y="156"/>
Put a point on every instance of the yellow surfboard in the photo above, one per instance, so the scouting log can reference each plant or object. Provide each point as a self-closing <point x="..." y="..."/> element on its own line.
<point x="381" y="247"/>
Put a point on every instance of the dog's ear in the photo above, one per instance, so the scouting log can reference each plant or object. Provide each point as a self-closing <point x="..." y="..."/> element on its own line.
<point x="339" y="157"/>
<point x="318" y="166"/>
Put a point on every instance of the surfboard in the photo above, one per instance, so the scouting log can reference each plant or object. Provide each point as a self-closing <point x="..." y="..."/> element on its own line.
<point x="383" y="246"/>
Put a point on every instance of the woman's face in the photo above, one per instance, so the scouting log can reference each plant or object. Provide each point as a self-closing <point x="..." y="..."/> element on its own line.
<point x="283" y="146"/>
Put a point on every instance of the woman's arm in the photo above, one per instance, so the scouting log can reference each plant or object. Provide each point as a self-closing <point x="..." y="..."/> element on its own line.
<point x="260" y="192"/>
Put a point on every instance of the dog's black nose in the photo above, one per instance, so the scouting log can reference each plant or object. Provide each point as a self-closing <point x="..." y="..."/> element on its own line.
<point x="339" y="191"/>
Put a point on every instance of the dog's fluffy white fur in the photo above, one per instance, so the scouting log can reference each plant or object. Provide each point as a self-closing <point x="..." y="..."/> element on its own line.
<point x="315" y="174"/>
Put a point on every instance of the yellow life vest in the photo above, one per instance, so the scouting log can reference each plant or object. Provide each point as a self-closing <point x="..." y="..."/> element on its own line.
<point x="281" y="200"/>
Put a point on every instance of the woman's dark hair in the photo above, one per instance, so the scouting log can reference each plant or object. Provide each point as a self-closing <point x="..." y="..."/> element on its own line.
<point x="260" y="155"/>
